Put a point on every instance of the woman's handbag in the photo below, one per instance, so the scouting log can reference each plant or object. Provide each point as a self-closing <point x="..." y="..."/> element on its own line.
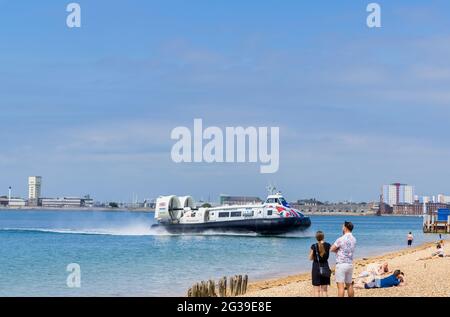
<point x="324" y="271"/>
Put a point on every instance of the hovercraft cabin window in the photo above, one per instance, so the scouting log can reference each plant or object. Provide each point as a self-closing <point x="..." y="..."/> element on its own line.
<point x="224" y="214"/>
<point x="236" y="214"/>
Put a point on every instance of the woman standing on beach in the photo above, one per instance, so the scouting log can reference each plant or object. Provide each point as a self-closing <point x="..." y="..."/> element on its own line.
<point x="321" y="272"/>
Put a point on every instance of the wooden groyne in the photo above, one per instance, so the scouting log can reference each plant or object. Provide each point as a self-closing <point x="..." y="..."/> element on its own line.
<point x="234" y="286"/>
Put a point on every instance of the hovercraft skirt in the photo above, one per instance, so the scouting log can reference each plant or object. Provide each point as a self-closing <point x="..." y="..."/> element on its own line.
<point x="259" y="226"/>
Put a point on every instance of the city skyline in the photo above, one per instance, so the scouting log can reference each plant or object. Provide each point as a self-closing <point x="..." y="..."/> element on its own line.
<point x="392" y="194"/>
<point x="91" y="109"/>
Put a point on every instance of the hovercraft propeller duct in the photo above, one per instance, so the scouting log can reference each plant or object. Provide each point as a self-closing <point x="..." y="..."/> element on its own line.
<point x="171" y="208"/>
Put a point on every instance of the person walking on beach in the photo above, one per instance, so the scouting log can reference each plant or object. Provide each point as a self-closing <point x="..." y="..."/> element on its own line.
<point x="410" y="239"/>
<point x="321" y="272"/>
<point x="344" y="247"/>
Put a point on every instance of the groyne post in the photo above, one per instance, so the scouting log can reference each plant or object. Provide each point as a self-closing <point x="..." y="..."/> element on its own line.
<point x="448" y="224"/>
<point x="237" y="286"/>
<point x="212" y="289"/>
<point x="232" y="286"/>
<point x="427" y="223"/>
<point x="245" y="280"/>
<point x="223" y="287"/>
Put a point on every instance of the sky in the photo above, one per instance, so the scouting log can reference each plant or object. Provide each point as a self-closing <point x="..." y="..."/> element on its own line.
<point x="91" y="109"/>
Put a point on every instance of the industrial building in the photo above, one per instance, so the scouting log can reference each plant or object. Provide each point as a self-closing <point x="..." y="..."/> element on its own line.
<point x="4" y="202"/>
<point x="66" y="202"/>
<point x="17" y="203"/>
<point x="345" y="207"/>
<point x="419" y="208"/>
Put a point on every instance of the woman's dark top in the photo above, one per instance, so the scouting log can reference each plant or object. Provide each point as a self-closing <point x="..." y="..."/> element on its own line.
<point x="317" y="279"/>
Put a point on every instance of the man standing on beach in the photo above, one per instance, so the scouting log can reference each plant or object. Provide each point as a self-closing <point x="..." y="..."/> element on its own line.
<point x="344" y="247"/>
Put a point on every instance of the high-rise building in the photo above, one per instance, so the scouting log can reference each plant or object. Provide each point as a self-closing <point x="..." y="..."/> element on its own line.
<point x="397" y="193"/>
<point x="408" y="192"/>
<point x="34" y="187"/>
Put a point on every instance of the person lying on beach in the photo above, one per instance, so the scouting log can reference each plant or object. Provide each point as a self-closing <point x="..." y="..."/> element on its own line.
<point x="438" y="254"/>
<point x="396" y="279"/>
<point x="374" y="270"/>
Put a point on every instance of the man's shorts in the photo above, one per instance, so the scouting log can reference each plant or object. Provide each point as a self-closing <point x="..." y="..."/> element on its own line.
<point x="344" y="273"/>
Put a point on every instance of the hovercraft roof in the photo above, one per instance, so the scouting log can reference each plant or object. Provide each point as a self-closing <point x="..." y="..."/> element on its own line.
<point x="277" y="195"/>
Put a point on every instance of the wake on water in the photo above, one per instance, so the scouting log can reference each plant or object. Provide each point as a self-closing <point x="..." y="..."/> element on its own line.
<point x="116" y="231"/>
<point x="119" y="224"/>
<point x="145" y="230"/>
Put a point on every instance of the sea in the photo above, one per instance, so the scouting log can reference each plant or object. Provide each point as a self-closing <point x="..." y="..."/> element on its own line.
<point x="119" y="254"/>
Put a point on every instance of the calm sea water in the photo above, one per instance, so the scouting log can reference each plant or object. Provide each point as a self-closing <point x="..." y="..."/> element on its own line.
<point x="120" y="255"/>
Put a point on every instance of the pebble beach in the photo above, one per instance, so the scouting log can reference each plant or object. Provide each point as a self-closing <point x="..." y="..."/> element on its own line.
<point x="424" y="278"/>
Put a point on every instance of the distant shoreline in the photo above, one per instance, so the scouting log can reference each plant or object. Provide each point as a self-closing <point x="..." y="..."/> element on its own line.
<point x="148" y="210"/>
<point x="351" y="214"/>
<point x="343" y="214"/>
<point x="104" y="209"/>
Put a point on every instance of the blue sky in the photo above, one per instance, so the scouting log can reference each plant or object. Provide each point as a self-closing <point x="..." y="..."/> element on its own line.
<point x="91" y="109"/>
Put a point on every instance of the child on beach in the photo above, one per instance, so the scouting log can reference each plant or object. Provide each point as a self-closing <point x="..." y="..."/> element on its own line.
<point x="321" y="272"/>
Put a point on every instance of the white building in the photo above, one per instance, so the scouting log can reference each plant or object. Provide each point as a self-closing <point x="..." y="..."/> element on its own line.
<point x="397" y="193"/>
<point x="392" y="195"/>
<point x="34" y="187"/>
<point x="408" y="194"/>
<point x="16" y="203"/>
<point x="66" y="202"/>
<point x="443" y="199"/>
